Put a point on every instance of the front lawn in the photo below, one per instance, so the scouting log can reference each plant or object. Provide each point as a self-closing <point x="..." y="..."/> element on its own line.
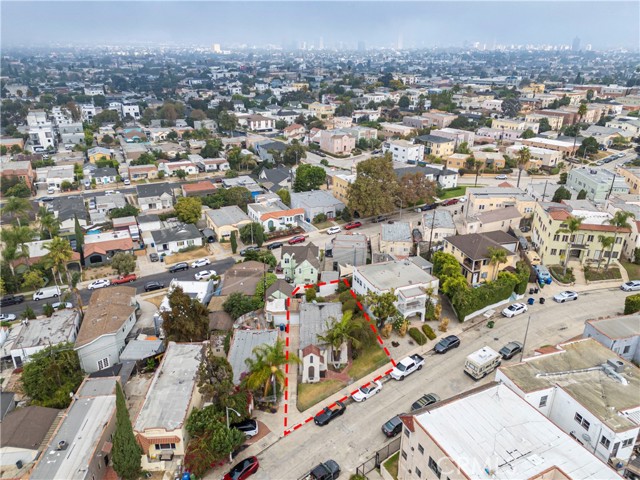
<point x="186" y="256"/>
<point x="323" y="225"/>
<point x="556" y="272"/>
<point x="632" y="269"/>
<point x="391" y="465"/>
<point x="594" y="275"/>
<point x="454" y="192"/>
<point x="369" y="360"/>
<point x="311" y="393"/>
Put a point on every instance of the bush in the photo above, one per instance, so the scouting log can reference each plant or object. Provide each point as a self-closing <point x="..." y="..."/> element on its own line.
<point x="471" y="300"/>
<point x="522" y="272"/>
<point x="310" y="294"/>
<point x="345" y="295"/>
<point x="417" y="335"/>
<point x="349" y="305"/>
<point x="632" y="304"/>
<point x="428" y="331"/>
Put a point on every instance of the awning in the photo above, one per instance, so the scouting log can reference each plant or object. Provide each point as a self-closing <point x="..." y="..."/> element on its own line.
<point x="166" y="456"/>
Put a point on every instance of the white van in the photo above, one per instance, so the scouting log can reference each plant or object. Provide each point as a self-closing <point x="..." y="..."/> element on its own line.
<point x="47" y="292"/>
<point x="481" y="363"/>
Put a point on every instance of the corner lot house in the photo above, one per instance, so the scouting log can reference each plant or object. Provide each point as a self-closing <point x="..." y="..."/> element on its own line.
<point x="108" y="319"/>
<point x="160" y="425"/>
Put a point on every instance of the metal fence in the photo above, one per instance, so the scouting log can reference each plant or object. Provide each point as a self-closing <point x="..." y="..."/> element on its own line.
<point x="380" y="456"/>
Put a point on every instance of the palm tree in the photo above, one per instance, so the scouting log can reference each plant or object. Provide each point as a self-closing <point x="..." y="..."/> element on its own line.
<point x="48" y="222"/>
<point x="497" y="256"/>
<point x="16" y="207"/>
<point x="265" y="368"/>
<point x="524" y="155"/>
<point x="582" y="110"/>
<point x="619" y="221"/>
<point x="60" y="253"/>
<point x="606" y="243"/>
<point x="341" y="331"/>
<point x="573" y="225"/>
<point x="22" y="236"/>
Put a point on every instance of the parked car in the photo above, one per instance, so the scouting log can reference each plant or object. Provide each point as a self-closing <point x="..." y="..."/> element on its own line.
<point x="565" y="296"/>
<point x="103" y="282"/>
<point x="61" y="305"/>
<point x="274" y="245"/>
<point x="380" y="219"/>
<point x="451" y="201"/>
<point x="352" y="225"/>
<point x="7" y="317"/>
<point x="510" y="350"/>
<point x="366" y="392"/>
<point x="630" y="286"/>
<point x="425" y="401"/>
<point x="201" y="263"/>
<point x="109" y="192"/>
<point x="47" y="292"/>
<point x="249" y="427"/>
<point x="154" y="257"/>
<point x="151" y="286"/>
<point x="132" y="277"/>
<point x="430" y="206"/>
<point x="243" y="470"/>
<point x="11" y="300"/>
<point x="126" y="181"/>
<point x="178" y="267"/>
<point x="446" y="344"/>
<point x="251" y="248"/>
<point x="204" y="274"/>
<point x="393" y="427"/>
<point x="47" y="199"/>
<point x="328" y="414"/>
<point x="515" y="309"/>
<point x="296" y="239"/>
<point x="328" y="470"/>
<point x="333" y="230"/>
<point x="407" y="366"/>
<point x="502" y="176"/>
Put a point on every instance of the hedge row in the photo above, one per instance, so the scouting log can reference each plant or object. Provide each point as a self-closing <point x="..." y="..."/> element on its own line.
<point x="632" y="304"/>
<point x="428" y="331"/>
<point x="417" y="336"/>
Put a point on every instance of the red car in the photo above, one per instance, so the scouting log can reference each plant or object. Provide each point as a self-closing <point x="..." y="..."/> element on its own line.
<point x="352" y="225"/>
<point x="243" y="470"/>
<point x="451" y="201"/>
<point x="296" y="239"/>
<point x="124" y="279"/>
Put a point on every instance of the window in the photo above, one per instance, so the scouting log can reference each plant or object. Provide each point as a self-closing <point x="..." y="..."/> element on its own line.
<point x="618" y="240"/>
<point x="404" y="454"/>
<point x="104" y="363"/>
<point x="406" y="432"/>
<point x="590" y="238"/>
<point x="421" y="449"/>
<point x="543" y="401"/>
<point x="605" y="442"/>
<point x="565" y="238"/>
<point x="584" y="423"/>
<point x="626" y="349"/>
<point x="418" y="473"/>
<point x="627" y="443"/>
<point x="434" y="467"/>
<point x="165" y="446"/>
<point x="556" y="238"/>
<point x="554" y="251"/>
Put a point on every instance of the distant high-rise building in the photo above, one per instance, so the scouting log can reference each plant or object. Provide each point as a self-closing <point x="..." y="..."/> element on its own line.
<point x="361" y="46"/>
<point x="588" y="47"/>
<point x="216" y="48"/>
<point x="575" y="46"/>
<point x="400" y="42"/>
<point x="321" y="44"/>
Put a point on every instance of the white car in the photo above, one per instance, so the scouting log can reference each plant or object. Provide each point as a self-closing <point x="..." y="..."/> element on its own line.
<point x="630" y="286"/>
<point x="365" y="392"/>
<point x="515" y="309"/>
<point x="501" y="177"/>
<point x="204" y="274"/>
<point x="105" y="282"/>
<point x="7" y="317"/>
<point x="109" y="192"/>
<point x="333" y="230"/>
<point x="57" y="305"/>
<point x="565" y="296"/>
<point x="201" y="263"/>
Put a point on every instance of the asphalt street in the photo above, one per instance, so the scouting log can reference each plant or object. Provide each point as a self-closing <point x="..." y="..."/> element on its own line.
<point x="356" y="436"/>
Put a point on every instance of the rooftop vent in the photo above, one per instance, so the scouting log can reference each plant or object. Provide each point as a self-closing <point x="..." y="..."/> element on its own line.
<point x="616" y="364"/>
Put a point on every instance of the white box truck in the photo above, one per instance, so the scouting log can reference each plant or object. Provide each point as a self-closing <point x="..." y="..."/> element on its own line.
<point x="47" y="292"/>
<point x="481" y="363"/>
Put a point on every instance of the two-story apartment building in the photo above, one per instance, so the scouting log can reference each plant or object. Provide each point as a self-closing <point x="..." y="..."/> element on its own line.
<point x="396" y="239"/>
<point x="621" y="335"/>
<point x="437" y="146"/>
<point x="403" y="151"/>
<point x="439" y="119"/>
<point x="337" y="142"/>
<point x="484" y="199"/>
<point x="539" y="157"/>
<point x="598" y="183"/>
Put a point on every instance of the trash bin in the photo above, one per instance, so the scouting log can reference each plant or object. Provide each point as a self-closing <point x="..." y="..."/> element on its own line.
<point x="541" y="300"/>
<point x="536" y="290"/>
<point x="531" y="291"/>
<point x="531" y="301"/>
<point x="282" y="327"/>
<point x="549" y="281"/>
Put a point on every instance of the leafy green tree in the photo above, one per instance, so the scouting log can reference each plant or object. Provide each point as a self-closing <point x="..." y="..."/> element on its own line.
<point x="265" y="367"/>
<point x="20" y="190"/>
<point x="252" y="233"/>
<point x="123" y="263"/>
<point x="561" y="194"/>
<point x="263" y="285"/>
<point x="32" y="280"/>
<point x="212" y="148"/>
<point x="582" y="194"/>
<point x="107" y="139"/>
<point x="127" y="211"/>
<point x="227" y="121"/>
<point x="415" y="188"/>
<point x="511" y="107"/>
<point x="263" y="256"/>
<point x="382" y="306"/>
<point x="79" y="235"/>
<point x="404" y="102"/>
<point x="188" y="209"/>
<point x="181" y="174"/>
<point x="309" y="177"/>
<point x="51" y="375"/>
<point x="563" y="178"/>
<point x="215" y="378"/>
<point x="285" y="196"/>
<point x="545" y="126"/>
<point x="528" y="133"/>
<point x="234" y="242"/>
<point x="48" y="310"/>
<point x="126" y="454"/>
<point x="238" y="304"/>
<point x="375" y="189"/>
<point x="589" y="146"/>
<point x="187" y="320"/>
<point x="346" y="330"/>
<point x="293" y="153"/>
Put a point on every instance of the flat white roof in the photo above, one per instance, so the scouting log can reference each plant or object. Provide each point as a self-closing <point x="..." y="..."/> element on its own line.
<point x="483" y="355"/>
<point x="494" y="429"/>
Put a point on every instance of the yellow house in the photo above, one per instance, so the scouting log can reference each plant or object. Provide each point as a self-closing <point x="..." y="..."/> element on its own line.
<point x="225" y="220"/>
<point x="340" y="186"/>
<point x="473" y="254"/>
<point x="322" y="110"/>
<point x="584" y="246"/>
<point x="98" y="153"/>
<point x="632" y="177"/>
<point x="438" y="146"/>
<point x="457" y="161"/>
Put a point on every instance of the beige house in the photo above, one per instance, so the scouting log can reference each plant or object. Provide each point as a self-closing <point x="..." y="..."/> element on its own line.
<point x="539" y="157"/>
<point x="322" y="110"/>
<point x="485" y="199"/>
<point x="439" y="119"/>
<point x="396" y="240"/>
<point x="473" y="254"/>
<point x="437" y="146"/>
<point x="631" y="176"/>
<point x="502" y="219"/>
<point x="225" y="220"/>
<point x="160" y="425"/>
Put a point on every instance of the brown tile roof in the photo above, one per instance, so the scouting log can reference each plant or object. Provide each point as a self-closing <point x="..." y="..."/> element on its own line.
<point x="27" y="427"/>
<point x="309" y="349"/>
<point x="292" y="127"/>
<point x="603" y="228"/>
<point x="505" y="185"/>
<point x="203" y="186"/>
<point x="559" y="214"/>
<point x="145" y="442"/>
<point x="108" y="309"/>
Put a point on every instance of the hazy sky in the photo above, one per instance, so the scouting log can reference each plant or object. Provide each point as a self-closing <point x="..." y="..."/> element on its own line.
<point x="603" y="24"/>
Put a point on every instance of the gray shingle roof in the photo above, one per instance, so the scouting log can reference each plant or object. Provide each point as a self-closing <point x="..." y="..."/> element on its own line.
<point x="313" y="321"/>
<point x="242" y="346"/>
<point x="154" y="190"/>
<point x="231" y="215"/>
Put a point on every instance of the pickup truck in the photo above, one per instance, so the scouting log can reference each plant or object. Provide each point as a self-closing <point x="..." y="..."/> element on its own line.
<point x="407" y="366"/>
<point x="11" y="300"/>
<point x="328" y="470"/>
<point x="124" y="279"/>
<point x="328" y="414"/>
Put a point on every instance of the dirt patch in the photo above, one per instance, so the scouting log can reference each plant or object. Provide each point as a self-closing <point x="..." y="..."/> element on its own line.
<point x="187" y="256"/>
<point x="95" y="273"/>
<point x="135" y="390"/>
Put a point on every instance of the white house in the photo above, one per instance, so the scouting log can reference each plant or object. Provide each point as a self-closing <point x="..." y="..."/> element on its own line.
<point x="403" y="151"/>
<point x="200" y="291"/>
<point x="172" y="239"/>
<point x="407" y="280"/>
<point x="275" y="215"/>
<point x="108" y="319"/>
<point x="170" y="168"/>
<point x="621" y="335"/>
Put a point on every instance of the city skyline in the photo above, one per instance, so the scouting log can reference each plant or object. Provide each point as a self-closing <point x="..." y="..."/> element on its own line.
<point x="375" y="24"/>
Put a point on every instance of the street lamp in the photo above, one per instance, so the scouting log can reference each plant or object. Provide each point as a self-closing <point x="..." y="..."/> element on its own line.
<point x="238" y="414"/>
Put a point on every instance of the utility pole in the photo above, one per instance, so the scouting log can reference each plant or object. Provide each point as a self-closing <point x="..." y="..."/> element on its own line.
<point x="433" y="221"/>
<point x="611" y="189"/>
<point x="524" y="342"/>
<point x="544" y="192"/>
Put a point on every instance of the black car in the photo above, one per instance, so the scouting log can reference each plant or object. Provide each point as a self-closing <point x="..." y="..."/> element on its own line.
<point x="446" y="344"/>
<point x="252" y="248"/>
<point x="151" y="286"/>
<point x="393" y="427"/>
<point x="11" y="300"/>
<point x="424" y="208"/>
<point x="328" y="414"/>
<point x="425" y="401"/>
<point x="47" y="199"/>
<point x="380" y="219"/>
<point x="178" y="267"/>
<point x="274" y="245"/>
<point x="154" y="257"/>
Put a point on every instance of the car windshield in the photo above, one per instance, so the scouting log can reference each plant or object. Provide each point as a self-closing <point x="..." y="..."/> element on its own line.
<point x="366" y="390"/>
<point x="238" y="469"/>
<point x="401" y="367"/>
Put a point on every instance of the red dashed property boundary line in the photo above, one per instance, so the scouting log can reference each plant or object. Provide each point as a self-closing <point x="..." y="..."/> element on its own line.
<point x="288" y="430"/>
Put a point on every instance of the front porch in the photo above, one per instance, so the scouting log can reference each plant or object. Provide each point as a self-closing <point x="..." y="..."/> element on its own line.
<point x="412" y="301"/>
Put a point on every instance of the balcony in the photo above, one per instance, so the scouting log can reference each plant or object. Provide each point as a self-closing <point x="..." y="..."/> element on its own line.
<point x="471" y="265"/>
